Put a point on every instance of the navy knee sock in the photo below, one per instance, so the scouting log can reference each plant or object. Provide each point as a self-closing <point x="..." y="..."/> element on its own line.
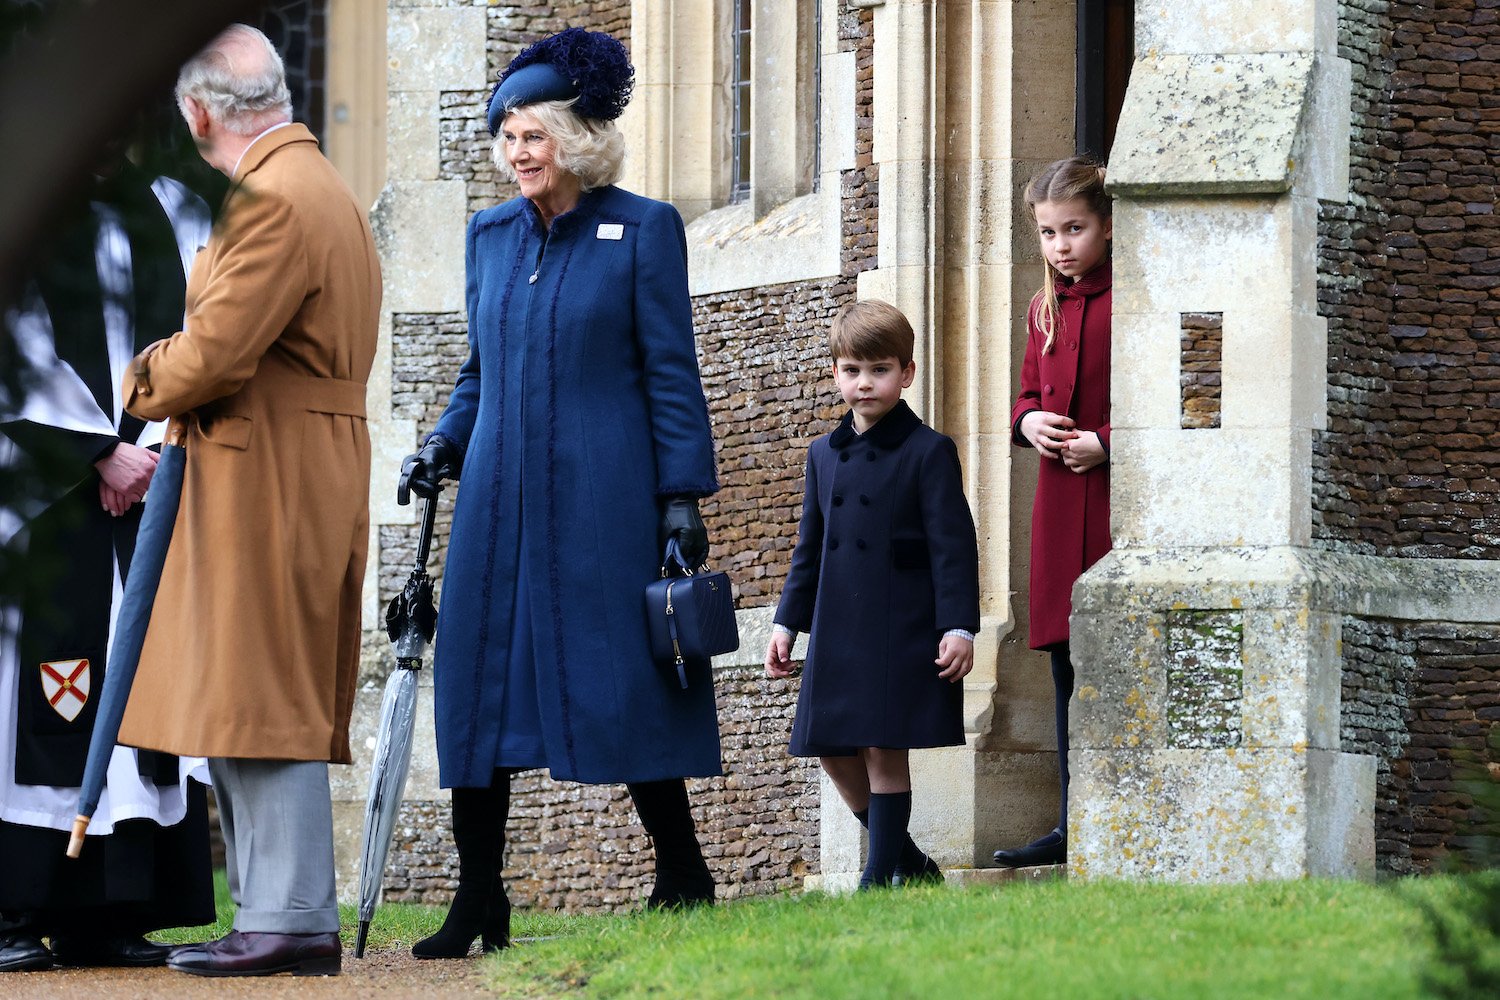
<point x="888" y="815"/>
<point x="913" y="860"/>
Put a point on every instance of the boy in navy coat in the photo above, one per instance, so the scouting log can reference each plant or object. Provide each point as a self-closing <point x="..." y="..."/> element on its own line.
<point x="885" y="578"/>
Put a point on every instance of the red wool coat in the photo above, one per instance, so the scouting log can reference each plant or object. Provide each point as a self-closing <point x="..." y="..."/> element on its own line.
<point x="1070" y="517"/>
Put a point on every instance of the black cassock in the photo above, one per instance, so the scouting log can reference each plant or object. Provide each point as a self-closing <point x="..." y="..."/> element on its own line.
<point x="112" y="282"/>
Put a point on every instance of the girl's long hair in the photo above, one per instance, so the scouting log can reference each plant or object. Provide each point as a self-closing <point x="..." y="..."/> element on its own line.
<point x="1065" y="180"/>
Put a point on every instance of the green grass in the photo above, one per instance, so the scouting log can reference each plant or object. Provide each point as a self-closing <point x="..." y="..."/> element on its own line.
<point x="1315" y="939"/>
<point x="1322" y="940"/>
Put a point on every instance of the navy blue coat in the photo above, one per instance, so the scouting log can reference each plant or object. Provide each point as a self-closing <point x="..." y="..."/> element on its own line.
<point x="581" y="395"/>
<point x="886" y="562"/>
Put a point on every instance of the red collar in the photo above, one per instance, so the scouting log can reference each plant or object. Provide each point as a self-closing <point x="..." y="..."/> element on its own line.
<point x="1093" y="283"/>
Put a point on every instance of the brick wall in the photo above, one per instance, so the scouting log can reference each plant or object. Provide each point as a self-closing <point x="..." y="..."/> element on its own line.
<point x="581" y="847"/>
<point x="1202" y="369"/>
<point x="1421" y="697"/>
<point x="1410" y="462"/>
<point x="765" y="372"/>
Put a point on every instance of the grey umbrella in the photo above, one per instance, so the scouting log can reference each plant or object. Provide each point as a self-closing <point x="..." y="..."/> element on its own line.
<point x="151" y="541"/>
<point x="410" y="621"/>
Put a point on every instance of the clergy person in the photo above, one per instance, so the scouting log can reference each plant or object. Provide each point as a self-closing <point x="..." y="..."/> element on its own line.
<point x="111" y="282"/>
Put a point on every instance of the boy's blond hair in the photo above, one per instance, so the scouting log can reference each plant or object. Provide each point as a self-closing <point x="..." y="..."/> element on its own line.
<point x="870" y="330"/>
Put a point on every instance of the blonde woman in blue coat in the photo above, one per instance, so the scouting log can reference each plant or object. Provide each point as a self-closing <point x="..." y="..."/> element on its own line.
<point x="579" y="432"/>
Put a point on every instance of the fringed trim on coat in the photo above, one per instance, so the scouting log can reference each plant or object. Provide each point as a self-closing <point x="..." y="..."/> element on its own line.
<point x="482" y="642"/>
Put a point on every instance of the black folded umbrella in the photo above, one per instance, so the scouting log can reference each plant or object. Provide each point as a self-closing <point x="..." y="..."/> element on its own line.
<point x="410" y="621"/>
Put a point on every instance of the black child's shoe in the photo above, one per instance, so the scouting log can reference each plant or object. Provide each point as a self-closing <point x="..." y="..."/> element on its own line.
<point x="925" y="873"/>
<point x="1050" y="849"/>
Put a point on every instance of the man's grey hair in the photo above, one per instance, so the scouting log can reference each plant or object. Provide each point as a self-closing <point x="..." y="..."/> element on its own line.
<point x="245" y="95"/>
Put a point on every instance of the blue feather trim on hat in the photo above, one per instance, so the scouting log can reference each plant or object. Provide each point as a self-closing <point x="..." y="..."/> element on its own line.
<point x="574" y="63"/>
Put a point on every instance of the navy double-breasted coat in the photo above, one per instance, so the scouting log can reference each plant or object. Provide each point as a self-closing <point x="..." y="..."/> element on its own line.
<point x="580" y="404"/>
<point x="886" y="562"/>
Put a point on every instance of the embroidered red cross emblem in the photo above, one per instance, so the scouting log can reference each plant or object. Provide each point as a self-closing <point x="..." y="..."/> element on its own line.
<point x="61" y="678"/>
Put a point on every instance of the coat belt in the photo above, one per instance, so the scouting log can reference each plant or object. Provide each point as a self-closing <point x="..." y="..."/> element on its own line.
<point x="281" y="387"/>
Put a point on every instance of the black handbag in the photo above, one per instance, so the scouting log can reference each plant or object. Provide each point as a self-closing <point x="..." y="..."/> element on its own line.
<point x="689" y="616"/>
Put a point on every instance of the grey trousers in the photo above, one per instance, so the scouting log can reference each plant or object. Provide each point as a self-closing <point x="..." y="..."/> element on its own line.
<point x="277" y="817"/>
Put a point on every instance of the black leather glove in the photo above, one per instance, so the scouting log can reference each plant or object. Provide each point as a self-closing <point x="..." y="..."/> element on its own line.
<point x="680" y="520"/>
<point x="424" y="472"/>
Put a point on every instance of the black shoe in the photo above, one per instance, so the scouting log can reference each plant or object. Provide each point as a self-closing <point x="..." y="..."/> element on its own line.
<point x="23" y="953"/>
<point x="1051" y="849"/>
<point x="928" y="874"/>
<point x="109" y="952"/>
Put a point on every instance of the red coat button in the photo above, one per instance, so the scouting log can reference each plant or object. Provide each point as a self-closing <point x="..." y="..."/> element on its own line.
<point x="1047" y="390"/>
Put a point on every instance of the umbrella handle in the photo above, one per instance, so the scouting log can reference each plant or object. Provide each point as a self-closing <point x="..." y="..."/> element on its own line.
<point x="75" y="842"/>
<point x="424" y="540"/>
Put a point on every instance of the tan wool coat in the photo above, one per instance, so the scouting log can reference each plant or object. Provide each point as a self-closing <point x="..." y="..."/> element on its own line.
<point x="253" y="644"/>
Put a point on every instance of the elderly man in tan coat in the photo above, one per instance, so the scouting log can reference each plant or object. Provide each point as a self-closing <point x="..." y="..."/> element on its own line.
<point x="251" y="655"/>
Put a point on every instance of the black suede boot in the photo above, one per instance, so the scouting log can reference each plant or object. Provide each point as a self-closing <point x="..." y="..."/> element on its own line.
<point x="480" y="907"/>
<point x="915" y="867"/>
<point x="682" y="876"/>
<point x="888" y="815"/>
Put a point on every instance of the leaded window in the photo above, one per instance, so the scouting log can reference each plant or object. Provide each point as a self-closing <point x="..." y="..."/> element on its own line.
<point x="739" y="134"/>
<point x="299" y="30"/>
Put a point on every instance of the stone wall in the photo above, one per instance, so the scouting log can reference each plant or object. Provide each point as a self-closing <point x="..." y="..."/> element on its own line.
<point x="1202" y="369"/>
<point x="581" y="847"/>
<point x="764" y="362"/>
<point x="766" y="375"/>
<point x="1410" y="464"/>
<point x="1422" y="698"/>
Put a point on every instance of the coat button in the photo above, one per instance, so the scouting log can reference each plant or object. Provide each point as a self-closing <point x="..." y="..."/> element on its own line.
<point x="838" y="500"/>
<point x="870" y="456"/>
<point x="1046" y="390"/>
<point x="1072" y="345"/>
<point x="864" y="500"/>
<point x="859" y="543"/>
<point x="833" y="543"/>
<point x="843" y="456"/>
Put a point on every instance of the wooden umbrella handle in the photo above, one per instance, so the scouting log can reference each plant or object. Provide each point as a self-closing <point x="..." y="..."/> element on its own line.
<point x="75" y="842"/>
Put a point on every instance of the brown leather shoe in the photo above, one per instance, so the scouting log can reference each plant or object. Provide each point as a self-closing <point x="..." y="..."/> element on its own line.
<point x="252" y="953"/>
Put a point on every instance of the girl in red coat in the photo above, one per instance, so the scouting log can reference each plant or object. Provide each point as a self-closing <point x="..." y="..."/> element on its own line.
<point x="1063" y="412"/>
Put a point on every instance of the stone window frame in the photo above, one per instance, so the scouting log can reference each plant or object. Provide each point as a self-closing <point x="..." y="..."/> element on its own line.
<point x="678" y="129"/>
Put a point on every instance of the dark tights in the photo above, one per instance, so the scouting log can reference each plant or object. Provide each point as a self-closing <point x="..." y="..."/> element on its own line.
<point x="1062" y="684"/>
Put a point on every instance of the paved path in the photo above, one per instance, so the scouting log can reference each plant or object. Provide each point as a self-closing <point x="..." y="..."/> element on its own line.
<point x="384" y="974"/>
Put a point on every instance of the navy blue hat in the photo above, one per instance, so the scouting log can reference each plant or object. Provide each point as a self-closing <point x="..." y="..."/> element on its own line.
<point x="588" y="65"/>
